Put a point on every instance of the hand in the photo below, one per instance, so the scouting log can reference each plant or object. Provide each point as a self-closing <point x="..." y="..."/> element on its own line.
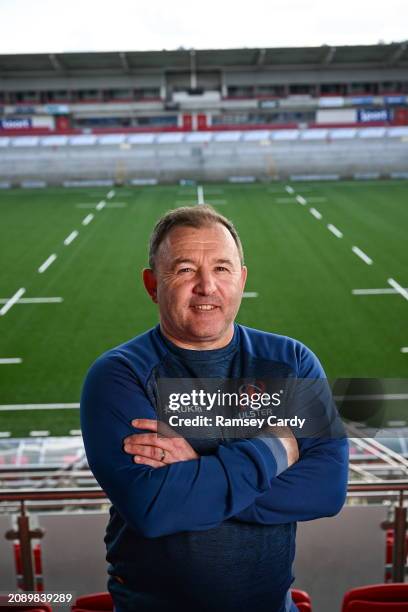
<point x="157" y="451"/>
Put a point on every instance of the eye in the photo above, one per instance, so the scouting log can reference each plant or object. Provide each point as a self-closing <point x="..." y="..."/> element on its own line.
<point x="184" y="270"/>
<point x="221" y="269"/>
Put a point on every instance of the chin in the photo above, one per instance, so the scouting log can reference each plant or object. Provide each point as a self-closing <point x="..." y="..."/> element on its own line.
<point x="207" y="330"/>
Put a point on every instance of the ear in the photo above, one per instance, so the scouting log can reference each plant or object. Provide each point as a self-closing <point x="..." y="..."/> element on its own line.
<point x="244" y="274"/>
<point x="150" y="283"/>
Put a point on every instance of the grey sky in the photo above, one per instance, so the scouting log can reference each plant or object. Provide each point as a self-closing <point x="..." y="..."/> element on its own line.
<point x="37" y="26"/>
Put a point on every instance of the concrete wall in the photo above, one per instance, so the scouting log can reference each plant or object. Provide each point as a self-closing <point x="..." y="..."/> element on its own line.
<point x="204" y="161"/>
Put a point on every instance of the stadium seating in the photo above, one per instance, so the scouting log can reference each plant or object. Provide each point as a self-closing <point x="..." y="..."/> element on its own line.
<point x="36" y="608"/>
<point x="302" y="600"/>
<point x="377" y="597"/>
<point x="389" y="553"/>
<point x="102" y="602"/>
<point x="95" y="602"/>
<point x="377" y="606"/>
<point x="39" y="585"/>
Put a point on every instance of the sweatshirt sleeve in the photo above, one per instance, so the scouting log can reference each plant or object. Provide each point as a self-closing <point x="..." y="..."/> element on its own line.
<point x="314" y="487"/>
<point x="184" y="496"/>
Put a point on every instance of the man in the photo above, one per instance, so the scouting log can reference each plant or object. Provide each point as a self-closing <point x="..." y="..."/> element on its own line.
<point x="208" y="525"/>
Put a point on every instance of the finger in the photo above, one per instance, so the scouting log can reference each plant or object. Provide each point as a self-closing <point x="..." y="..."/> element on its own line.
<point x="149" y="440"/>
<point x="142" y="438"/>
<point x="146" y="461"/>
<point x="150" y="424"/>
<point x="151" y="452"/>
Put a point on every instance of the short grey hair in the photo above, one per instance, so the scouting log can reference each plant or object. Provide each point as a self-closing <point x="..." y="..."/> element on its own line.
<point x="202" y="215"/>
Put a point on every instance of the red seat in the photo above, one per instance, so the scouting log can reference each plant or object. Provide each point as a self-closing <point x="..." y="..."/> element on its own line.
<point x="76" y="609"/>
<point x="303" y="606"/>
<point x="299" y="596"/>
<point x="35" y="608"/>
<point x="383" y="596"/>
<point x="95" y="602"/>
<point x="377" y="606"/>
<point x="302" y="600"/>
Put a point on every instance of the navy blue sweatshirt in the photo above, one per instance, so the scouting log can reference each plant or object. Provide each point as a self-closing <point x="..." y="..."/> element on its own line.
<point x="216" y="533"/>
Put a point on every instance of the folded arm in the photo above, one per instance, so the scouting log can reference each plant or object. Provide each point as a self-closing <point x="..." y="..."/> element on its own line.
<point x="314" y="487"/>
<point x="189" y="495"/>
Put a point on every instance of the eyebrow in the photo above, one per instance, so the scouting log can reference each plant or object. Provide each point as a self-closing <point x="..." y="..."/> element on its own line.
<point x="180" y="260"/>
<point x="224" y="261"/>
<point x="183" y="260"/>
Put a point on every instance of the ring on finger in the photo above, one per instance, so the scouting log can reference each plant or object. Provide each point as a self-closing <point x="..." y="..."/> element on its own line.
<point x="163" y="455"/>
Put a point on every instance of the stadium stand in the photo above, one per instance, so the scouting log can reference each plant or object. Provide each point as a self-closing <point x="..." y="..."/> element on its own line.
<point x="193" y="110"/>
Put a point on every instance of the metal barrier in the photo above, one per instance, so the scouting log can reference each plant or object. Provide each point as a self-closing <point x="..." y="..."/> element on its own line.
<point x="24" y="534"/>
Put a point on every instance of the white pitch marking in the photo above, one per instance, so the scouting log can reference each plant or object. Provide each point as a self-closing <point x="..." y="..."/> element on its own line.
<point x="250" y="294"/>
<point x="289" y="189"/>
<point x="18" y="407"/>
<point x="385" y="291"/>
<point x="117" y="205"/>
<point x="315" y="213"/>
<point x="396" y="423"/>
<point x="404" y="349"/>
<point x="47" y="263"/>
<point x="316" y="200"/>
<point x="333" y="229"/>
<point x="87" y="219"/>
<point x="363" y="256"/>
<point x="188" y="193"/>
<point x="283" y="200"/>
<point x="5" y="434"/>
<point x="102" y="204"/>
<point x="301" y="200"/>
<point x="36" y="433"/>
<point x="71" y="237"/>
<point x="75" y="432"/>
<point x="110" y="194"/>
<point x="10" y="360"/>
<point x="11" y="301"/>
<point x="200" y="195"/>
<point x="398" y="287"/>
<point x="41" y="300"/>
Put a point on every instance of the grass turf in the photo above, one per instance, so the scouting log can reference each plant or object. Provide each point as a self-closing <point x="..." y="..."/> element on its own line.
<point x="304" y="276"/>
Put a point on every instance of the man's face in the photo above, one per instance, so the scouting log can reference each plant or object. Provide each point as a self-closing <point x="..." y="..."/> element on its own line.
<point x="198" y="284"/>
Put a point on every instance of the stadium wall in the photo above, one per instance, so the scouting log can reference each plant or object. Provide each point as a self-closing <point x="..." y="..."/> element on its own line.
<point x="209" y="161"/>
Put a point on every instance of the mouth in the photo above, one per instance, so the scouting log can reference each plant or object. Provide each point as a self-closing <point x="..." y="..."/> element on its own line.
<point x="204" y="307"/>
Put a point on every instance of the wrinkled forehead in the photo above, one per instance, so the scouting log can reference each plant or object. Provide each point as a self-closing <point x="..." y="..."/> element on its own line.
<point x="213" y="240"/>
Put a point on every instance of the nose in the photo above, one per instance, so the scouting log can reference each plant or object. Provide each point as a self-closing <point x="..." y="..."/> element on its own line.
<point x="205" y="283"/>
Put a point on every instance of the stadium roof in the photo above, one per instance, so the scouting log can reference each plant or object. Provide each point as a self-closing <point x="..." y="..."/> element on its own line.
<point x="381" y="55"/>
